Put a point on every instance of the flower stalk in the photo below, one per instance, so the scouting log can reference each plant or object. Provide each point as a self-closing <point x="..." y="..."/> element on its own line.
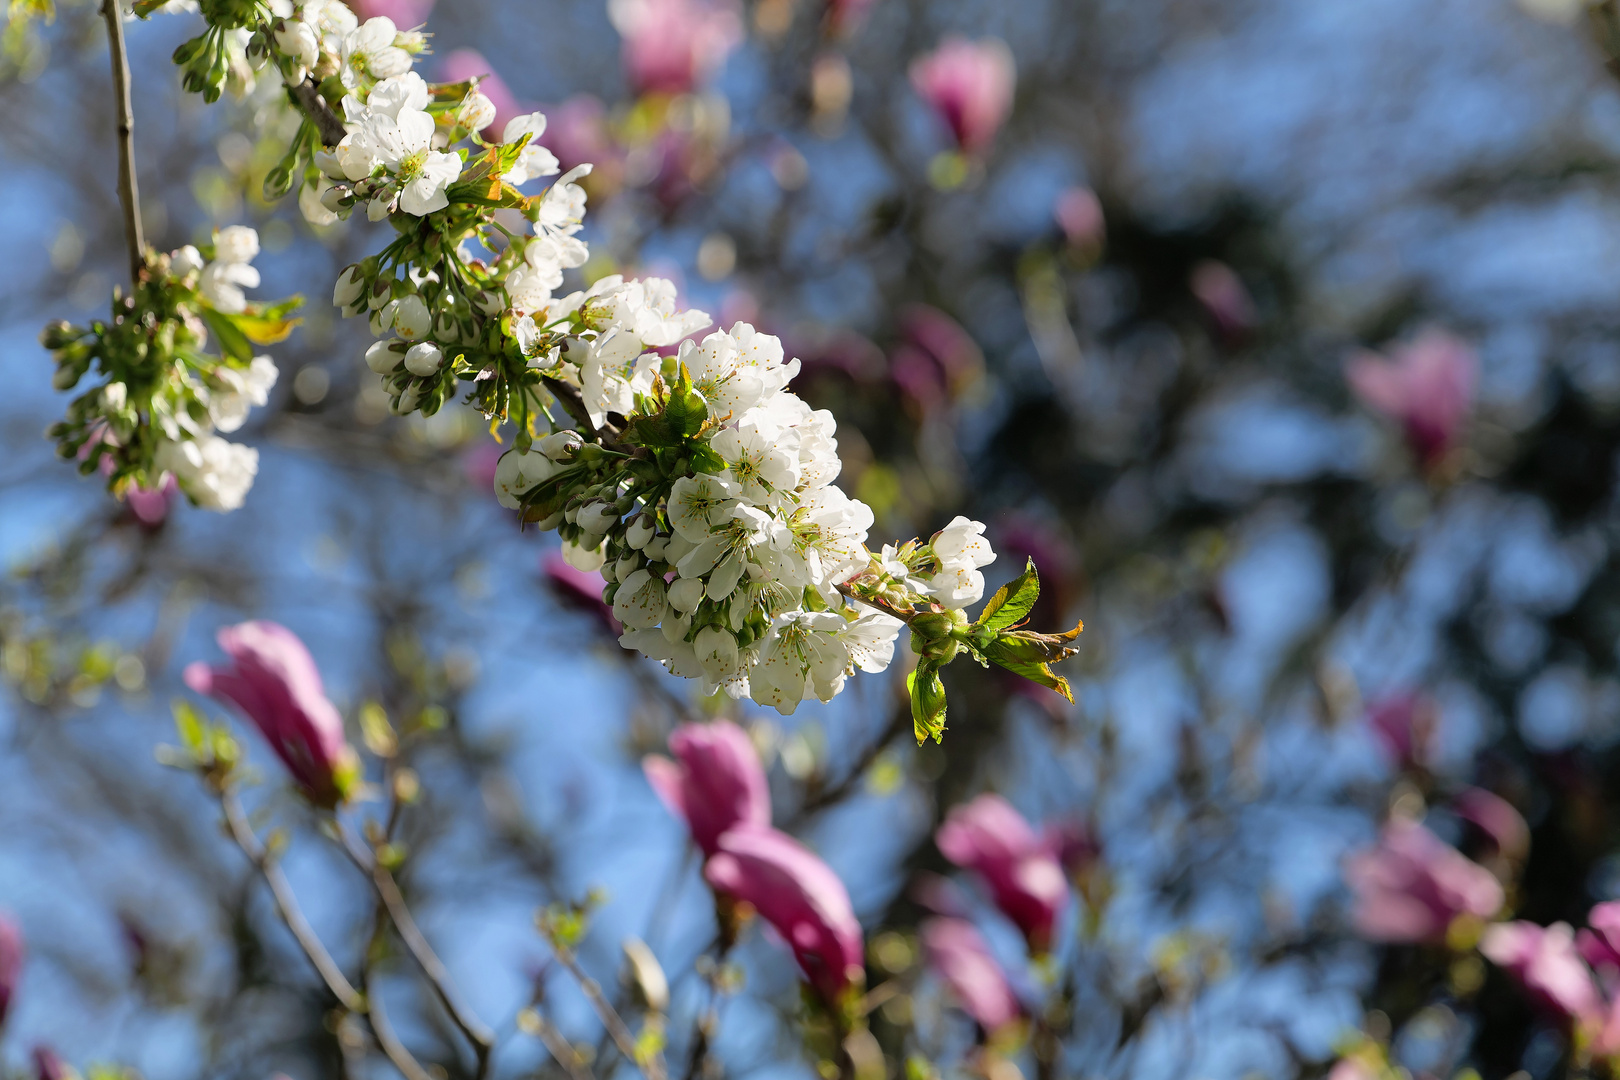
<point x="128" y="189"/>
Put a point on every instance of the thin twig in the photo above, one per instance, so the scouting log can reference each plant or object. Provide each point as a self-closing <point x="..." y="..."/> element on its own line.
<point x="128" y="192"/>
<point x="327" y="122"/>
<point x="611" y="1020"/>
<point x="248" y="841"/>
<point x="438" y="976"/>
<point x="559" y="1047"/>
<point x="386" y="1039"/>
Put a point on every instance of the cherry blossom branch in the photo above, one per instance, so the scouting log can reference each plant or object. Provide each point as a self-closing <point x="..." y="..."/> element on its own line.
<point x="242" y="832"/>
<point x="327" y="123"/>
<point x="128" y="192"/>
<point x="438" y="976"/>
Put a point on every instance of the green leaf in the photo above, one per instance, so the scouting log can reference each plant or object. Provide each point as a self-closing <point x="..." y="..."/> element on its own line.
<point x="1012" y="603"/>
<point x="927" y="702"/>
<point x="705" y="459"/>
<point x="265" y="331"/>
<point x="1026" y="653"/>
<point x="232" y="341"/>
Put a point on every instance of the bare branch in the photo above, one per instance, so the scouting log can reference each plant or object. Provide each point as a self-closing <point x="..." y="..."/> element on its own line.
<point x="291" y="914"/>
<point x="128" y="191"/>
<point x="308" y="96"/>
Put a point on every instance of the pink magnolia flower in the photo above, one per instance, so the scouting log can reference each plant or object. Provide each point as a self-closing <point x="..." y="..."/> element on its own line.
<point x="1496" y="818"/>
<point x="970" y="85"/>
<point x="405" y="13"/>
<point x="800" y="897"/>
<point x="1601" y="944"/>
<point x="463" y="64"/>
<point x="579" y="589"/>
<point x="274" y="681"/>
<point x="1427" y="386"/>
<point x="1079" y="214"/>
<point x="1544" y="960"/>
<point x="957" y="951"/>
<point x="11" y="962"/>
<point x="672" y="46"/>
<point x="1020" y="868"/>
<point x="716" y="782"/>
<point x="1412" y="884"/>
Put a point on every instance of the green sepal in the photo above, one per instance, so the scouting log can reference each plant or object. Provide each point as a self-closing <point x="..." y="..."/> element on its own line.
<point x="927" y="702"/>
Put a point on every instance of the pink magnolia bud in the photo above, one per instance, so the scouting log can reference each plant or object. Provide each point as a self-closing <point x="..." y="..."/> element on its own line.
<point x="1544" y="960"/>
<point x="1426" y="386"/>
<point x="1411" y="885"/>
<point x="1225" y="299"/>
<point x="970" y="85"/>
<point x="800" y="897"/>
<point x="957" y="951"/>
<point x="274" y="681"/>
<point x="151" y="507"/>
<point x="1079" y="214"/>
<point x="11" y="962"/>
<point x="716" y="782"/>
<point x="463" y="64"/>
<point x="672" y="46"/>
<point x="1020" y="868"/>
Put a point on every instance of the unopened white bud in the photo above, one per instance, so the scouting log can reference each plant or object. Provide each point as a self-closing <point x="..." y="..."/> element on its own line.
<point x="561" y="446"/>
<point x="596" y="517"/>
<point x="411" y="317"/>
<point x="187" y="260"/>
<point x="351" y="284"/>
<point x="424" y="358"/>
<point x="408" y="399"/>
<point x="385" y="356"/>
<point x="628" y="563"/>
<point x="640" y="531"/>
<point x="655" y="548"/>
<point x="686" y="594"/>
<point x="297" y="41"/>
<point x="114" y="395"/>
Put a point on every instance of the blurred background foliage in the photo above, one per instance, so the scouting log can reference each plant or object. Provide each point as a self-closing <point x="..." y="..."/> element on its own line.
<point x="1118" y="330"/>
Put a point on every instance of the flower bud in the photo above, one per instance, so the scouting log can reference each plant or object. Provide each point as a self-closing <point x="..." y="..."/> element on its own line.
<point x="351" y="285"/>
<point x="686" y="594"/>
<point x="424" y="358"/>
<point x="586" y="554"/>
<point x="412" y="319"/>
<point x="296" y="40"/>
<point x="640" y="531"/>
<point x="489" y="303"/>
<point x="56" y="334"/>
<point x="561" y="446"/>
<point x="596" y="517"/>
<point x="476" y="113"/>
<point x="114" y="395"/>
<point x="274" y="681"/>
<point x="656" y="548"/>
<point x="628" y="563"/>
<point x="385" y="356"/>
<point x="186" y="261"/>
<point x="407" y="399"/>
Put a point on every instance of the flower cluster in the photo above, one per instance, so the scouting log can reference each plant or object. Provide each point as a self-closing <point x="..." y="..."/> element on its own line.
<point x="165" y="399"/>
<point x="683" y="469"/>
